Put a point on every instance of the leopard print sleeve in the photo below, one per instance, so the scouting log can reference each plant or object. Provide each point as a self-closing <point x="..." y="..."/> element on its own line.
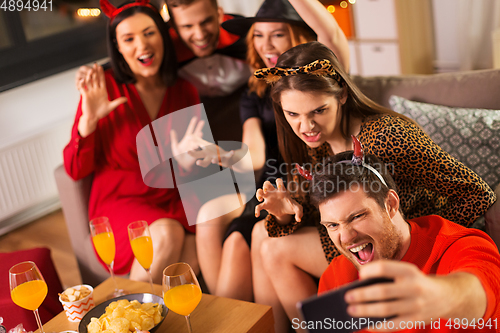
<point x="310" y="214"/>
<point x="429" y="180"/>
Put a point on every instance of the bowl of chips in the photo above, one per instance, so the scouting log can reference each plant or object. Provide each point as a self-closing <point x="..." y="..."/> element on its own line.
<point x="125" y="314"/>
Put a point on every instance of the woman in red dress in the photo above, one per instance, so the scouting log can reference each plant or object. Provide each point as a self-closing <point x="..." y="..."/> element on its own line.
<point x="115" y="105"/>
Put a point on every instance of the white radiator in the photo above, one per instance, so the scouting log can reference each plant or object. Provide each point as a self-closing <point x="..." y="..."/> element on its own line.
<point x="27" y="186"/>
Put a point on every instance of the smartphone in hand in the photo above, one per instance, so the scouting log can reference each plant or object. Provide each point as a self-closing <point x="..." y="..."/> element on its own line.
<point x="328" y="312"/>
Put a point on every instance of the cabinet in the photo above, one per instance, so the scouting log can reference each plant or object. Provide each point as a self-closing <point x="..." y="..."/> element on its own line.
<point x="391" y="37"/>
<point x="375" y="48"/>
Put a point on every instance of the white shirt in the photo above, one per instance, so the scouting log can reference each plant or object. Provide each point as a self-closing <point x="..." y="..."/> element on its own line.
<point x="216" y="75"/>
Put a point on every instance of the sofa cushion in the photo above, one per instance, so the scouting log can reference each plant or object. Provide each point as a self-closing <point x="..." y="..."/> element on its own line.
<point x="472" y="89"/>
<point x="470" y="135"/>
<point x="13" y="314"/>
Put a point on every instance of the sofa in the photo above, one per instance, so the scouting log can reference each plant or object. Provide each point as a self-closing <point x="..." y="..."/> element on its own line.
<point x="470" y="90"/>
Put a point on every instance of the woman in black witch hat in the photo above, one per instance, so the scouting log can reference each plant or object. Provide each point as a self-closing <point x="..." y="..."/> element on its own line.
<point x="224" y="254"/>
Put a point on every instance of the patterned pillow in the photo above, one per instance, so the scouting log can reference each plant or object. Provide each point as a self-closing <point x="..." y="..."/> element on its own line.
<point x="472" y="136"/>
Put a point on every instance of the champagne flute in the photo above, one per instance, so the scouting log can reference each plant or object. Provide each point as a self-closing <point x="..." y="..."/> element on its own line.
<point x="142" y="246"/>
<point x="28" y="288"/>
<point x="104" y="243"/>
<point x="181" y="291"/>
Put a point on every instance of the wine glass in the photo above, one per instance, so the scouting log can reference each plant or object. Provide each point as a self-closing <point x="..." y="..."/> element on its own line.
<point x="28" y="288"/>
<point x="181" y="291"/>
<point x="142" y="246"/>
<point x="104" y="243"/>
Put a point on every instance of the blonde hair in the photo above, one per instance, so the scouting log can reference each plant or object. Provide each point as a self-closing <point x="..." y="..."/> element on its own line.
<point x="298" y="35"/>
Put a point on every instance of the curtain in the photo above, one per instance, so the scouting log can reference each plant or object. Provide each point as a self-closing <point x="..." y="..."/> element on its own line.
<point x="477" y="20"/>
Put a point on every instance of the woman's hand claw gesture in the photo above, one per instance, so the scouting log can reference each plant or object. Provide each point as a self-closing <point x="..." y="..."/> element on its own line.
<point x="209" y="153"/>
<point x="278" y="202"/>
<point x="192" y="140"/>
<point x="95" y="103"/>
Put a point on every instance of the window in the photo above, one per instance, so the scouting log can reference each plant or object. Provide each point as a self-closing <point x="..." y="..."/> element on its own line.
<point x="38" y="43"/>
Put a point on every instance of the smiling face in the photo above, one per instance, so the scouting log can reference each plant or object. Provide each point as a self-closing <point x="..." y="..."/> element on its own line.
<point x="313" y="117"/>
<point x="271" y="39"/>
<point x="141" y="45"/>
<point x="198" y="26"/>
<point x="361" y="229"/>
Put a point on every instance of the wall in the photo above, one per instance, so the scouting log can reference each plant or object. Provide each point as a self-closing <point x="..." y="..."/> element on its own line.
<point x="30" y="109"/>
<point x="35" y="125"/>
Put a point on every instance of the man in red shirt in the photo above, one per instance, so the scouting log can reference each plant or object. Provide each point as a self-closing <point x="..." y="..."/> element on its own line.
<point x="446" y="277"/>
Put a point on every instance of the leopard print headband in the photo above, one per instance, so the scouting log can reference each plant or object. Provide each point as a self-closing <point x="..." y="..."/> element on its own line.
<point x="318" y="67"/>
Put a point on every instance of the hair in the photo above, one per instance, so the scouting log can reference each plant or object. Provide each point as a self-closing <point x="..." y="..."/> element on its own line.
<point x="336" y="177"/>
<point x="298" y="35"/>
<point x="357" y="104"/>
<point x="121" y="70"/>
<point x="178" y="3"/>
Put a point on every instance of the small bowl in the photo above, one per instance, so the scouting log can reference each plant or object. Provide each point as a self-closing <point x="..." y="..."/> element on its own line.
<point x="100" y="309"/>
<point x="76" y="310"/>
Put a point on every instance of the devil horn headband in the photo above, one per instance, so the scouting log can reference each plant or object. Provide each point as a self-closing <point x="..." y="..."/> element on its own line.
<point x="358" y="158"/>
<point x="111" y="11"/>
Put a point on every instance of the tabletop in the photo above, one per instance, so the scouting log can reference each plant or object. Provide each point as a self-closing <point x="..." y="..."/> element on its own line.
<point x="213" y="314"/>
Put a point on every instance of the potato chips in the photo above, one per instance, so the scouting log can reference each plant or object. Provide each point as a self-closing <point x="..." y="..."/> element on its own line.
<point x="73" y="295"/>
<point x="123" y="317"/>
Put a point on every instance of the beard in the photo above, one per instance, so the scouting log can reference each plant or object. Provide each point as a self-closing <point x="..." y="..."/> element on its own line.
<point x="391" y="241"/>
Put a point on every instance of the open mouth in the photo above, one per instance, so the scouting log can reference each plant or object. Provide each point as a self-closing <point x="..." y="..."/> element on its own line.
<point x="202" y="44"/>
<point x="363" y="253"/>
<point x="146" y="59"/>
<point x="272" y="59"/>
<point x="311" y="136"/>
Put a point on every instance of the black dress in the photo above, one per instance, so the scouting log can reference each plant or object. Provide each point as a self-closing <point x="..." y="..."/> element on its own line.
<point x="253" y="106"/>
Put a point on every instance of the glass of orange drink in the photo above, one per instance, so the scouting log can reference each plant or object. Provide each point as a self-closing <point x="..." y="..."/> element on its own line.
<point x="142" y="246"/>
<point x="28" y="288"/>
<point x="181" y="290"/>
<point x="104" y="244"/>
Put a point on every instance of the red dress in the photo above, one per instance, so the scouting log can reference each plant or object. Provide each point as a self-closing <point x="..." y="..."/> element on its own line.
<point x="118" y="190"/>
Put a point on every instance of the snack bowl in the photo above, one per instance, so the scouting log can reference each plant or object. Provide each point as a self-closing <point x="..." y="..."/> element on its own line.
<point x="76" y="309"/>
<point x="100" y="309"/>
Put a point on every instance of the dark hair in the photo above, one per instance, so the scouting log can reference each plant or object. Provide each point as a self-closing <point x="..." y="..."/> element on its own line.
<point x="291" y="147"/>
<point x="121" y="70"/>
<point x="177" y="3"/>
<point x="335" y="177"/>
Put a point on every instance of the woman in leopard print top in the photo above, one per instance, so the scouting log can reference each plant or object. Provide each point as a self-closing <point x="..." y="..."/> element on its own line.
<point x="317" y="108"/>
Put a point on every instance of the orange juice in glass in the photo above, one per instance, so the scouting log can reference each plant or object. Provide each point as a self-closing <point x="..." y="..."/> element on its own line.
<point x="183" y="299"/>
<point x="142" y="246"/>
<point x="181" y="290"/>
<point x="28" y="288"/>
<point x="30" y="295"/>
<point x="104" y="243"/>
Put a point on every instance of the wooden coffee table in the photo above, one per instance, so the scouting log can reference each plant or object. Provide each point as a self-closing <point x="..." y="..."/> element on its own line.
<point x="213" y="314"/>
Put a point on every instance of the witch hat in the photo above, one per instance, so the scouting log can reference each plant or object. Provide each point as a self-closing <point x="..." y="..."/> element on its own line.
<point x="270" y="11"/>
